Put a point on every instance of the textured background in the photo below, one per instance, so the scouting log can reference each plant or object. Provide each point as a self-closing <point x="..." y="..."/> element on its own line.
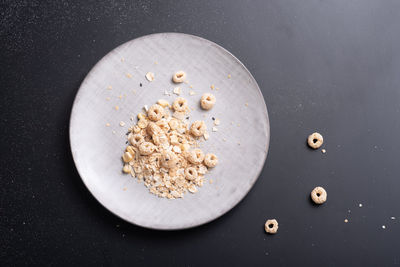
<point x="331" y="66"/>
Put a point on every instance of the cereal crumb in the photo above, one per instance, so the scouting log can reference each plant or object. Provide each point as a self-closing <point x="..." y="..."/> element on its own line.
<point x="109" y="87"/>
<point x="191" y="86"/>
<point x="134" y="92"/>
<point x="116" y="107"/>
<point x="217" y="122"/>
<point x="120" y="96"/>
<point x="216" y="88"/>
<point x="238" y="124"/>
<point x="155" y="63"/>
<point x="177" y="90"/>
<point x="211" y="181"/>
<point x="229" y="76"/>
<point x="212" y="87"/>
<point x="238" y="143"/>
<point x="360" y="205"/>
<point x="166" y="92"/>
<point x="132" y="118"/>
<point x="224" y="139"/>
<point x="214" y="129"/>
<point x="128" y="75"/>
<point x="122" y="59"/>
<point x="206" y="135"/>
<point x="383" y="227"/>
<point x="107" y="124"/>
<point x="124" y="189"/>
<point x="150" y="76"/>
<point x="346" y="221"/>
<point x="114" y="132"/>
<point x="323" y="151"/>
<point x="146" y="108"/>
<point x="393" y="218"/>
<point x="246" y="104"/>
<point x="107" y="98"/>
<point x="122" y="124"/>
<point x="191" y="92"/>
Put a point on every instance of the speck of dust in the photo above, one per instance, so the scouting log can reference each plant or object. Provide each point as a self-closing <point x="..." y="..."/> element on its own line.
<point x="360" y="205"/>
<point x="346" y="221"/>
<point x="383" y="227"/>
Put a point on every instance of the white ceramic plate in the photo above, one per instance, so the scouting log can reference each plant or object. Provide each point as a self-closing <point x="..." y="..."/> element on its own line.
<point x="97" y="149"/>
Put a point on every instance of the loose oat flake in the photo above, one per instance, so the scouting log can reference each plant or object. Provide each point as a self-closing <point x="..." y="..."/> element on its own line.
<point x="163" y="151"/>
<point x="150" y="76"/>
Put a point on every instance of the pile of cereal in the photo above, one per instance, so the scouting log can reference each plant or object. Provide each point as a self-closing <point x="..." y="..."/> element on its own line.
<point x="163" y="149"/>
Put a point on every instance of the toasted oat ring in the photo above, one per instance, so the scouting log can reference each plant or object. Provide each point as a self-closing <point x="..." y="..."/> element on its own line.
<point x="191" y="173"/>
<point x="315" y="140"/>
<point x="207" y="101"/>
<point x="210" y="160"/>
<point x="198" y="128"/>
<point x="271" y="226"/>
<point x="179" y="76"/>
<point x="180" y="104"/>
<point x="156" y="112"/>
<point x="146" y="148"/>
<point x="196" y="156"/>
<point x="136" y="139"/>
<point x="319" y="195"/>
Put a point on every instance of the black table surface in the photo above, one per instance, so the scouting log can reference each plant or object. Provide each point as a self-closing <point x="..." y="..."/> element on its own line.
<point x="326" y="66"/>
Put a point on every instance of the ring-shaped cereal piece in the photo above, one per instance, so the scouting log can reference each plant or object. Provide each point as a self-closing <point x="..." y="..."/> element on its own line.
<point x="136" y="139"/>
<point x="271" y="226"/>
<point x="180" y="104"/>
<point x="146" y="148"/>
<point x="319" y="195"/>
<point x="196" y="156"/>
<point x="191" y="173"/>
<point x="210" y="160"/>
<point x="315" y="140"/>
<point x="156" y="112"/>
<point x="179" y="76"/>
<point x="207" y="101"/>
<point x="198" y="128"/>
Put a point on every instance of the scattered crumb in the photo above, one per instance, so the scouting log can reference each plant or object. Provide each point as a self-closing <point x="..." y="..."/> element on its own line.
<point x="124" y="188"/>
<point x="116" y="107"/>
<point x="231" y="122"/>
<point x="114" y="132"/>
<point x="191" y="92"/>
<point x="166" y="92"/>
<point x="150" y="76"/>
<point x="393" y="218"/>
<point x="216" y="88"/>
<point x="346" y="221"/>
<point x="360" y="205"/>
<point x="146" y="108"/>
<point x="191" y="86"/>
<point x="186" y="82"/>
<point x="323" y="151"/>
<point x="238" y="144"/>
<point x="128" y="75"/>
<point x="246" y="104"/>
<point x="214" y="129"/>
<point x="217" y="122"/>
<point x="212" y="87"/>
<point x="224" y="139"/>
<point x="177" y="90"/>
<point x="211" y="181"/>
<point x="134" y="92"/>
<point x="206" y="136"/>
<point x="155" y="63"/>
<point x="122" y="124"/>
<point x="122" y="59"/>
<point x="229" y="76"/>
<point x="109" y="87"/>
<point x="120" y="96"/>
<point x="132" y="118"/>
<point x="238" y="124"/>
<point x="107" y="124"/>
<point x="107" y="98"/>
<point x="383" y="227"/>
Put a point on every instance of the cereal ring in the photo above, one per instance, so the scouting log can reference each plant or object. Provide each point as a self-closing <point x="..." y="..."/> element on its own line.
<point x="180" y="104"/>
<point x="156" y="112"/>
<point x="159" y="139"/>
<point x="168" y="159"/>
<point x="136" y="139"/>
<point x="271" y="226"/>
<point x="198" y="128"/>
<point x="146" y="148"/>
<point x="315" y="140"/>
<point x="207" y="101"/>
<point x="210" y="160"/>
<point x="142" y="123"/>
<point x="196" y="156"/>
<point x="153" y="128"/>
<point x="191" y="173"/>
<point x="319" y="195"/>
<point x="179" y="77"/>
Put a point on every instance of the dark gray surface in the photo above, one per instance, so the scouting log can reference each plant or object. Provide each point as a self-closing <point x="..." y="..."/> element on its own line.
<point x="331" y="66"/>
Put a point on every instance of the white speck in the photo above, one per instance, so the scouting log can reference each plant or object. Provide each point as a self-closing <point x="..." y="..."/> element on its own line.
<point x="393" y="218"/>
<point x="383" y="227"/>
<point x="206" y="136"/>
<point x="323" y="151"/>
<point x="192" y="92"/>
<point x="146" y="108"/>
<point x="214" y="129"/>
<point x="346" y="221"/>
<point x="167" y="93"/>
<point x="177" y="90"/>
<point x="360" y="205"/>
<point x="114" y="132"/>
<point x="122" y="124"/>
<point x="150" y="76"/>
<point x="217" y="122"/>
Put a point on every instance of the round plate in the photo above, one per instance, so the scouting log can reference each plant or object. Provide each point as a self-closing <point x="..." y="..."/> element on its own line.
<point x="98" y="141"/>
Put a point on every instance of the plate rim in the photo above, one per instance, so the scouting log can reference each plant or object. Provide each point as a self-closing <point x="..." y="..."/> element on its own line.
<point x="73" y="115"/>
